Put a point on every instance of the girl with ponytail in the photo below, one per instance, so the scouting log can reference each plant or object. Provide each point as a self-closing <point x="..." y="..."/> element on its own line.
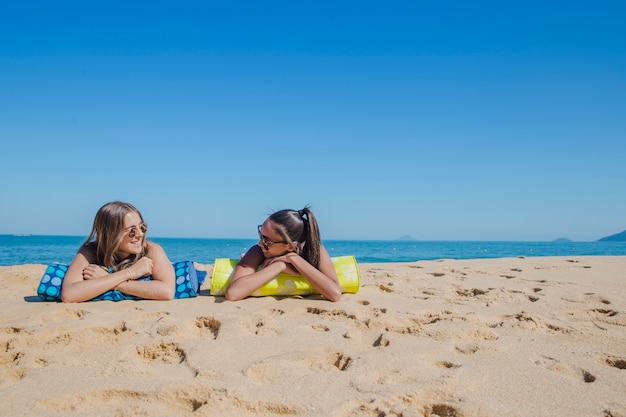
<point x="289" y="242"/>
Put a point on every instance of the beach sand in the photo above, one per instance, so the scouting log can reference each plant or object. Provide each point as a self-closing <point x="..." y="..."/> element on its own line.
<point x="488" y="337"/>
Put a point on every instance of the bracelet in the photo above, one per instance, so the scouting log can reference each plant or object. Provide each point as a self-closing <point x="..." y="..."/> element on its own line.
<point x="129" y="273"/>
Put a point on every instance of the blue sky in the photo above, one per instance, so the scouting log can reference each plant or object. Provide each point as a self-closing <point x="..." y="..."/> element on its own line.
<point x="446" y="120"/>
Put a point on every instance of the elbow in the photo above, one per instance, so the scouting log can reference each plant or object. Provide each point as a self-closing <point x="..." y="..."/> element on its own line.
<point x="334" y="298"/>
<point x="67" y="298"/>
<point x="334" y="295"/>
<point x="168" y="294"/>
<point x="232" y="295"/>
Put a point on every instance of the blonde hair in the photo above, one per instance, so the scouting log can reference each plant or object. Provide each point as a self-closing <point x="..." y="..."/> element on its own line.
<point x="108" y="233"/>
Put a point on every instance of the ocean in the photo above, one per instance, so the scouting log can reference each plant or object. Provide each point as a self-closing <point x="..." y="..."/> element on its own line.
<point x="34" y="249"/>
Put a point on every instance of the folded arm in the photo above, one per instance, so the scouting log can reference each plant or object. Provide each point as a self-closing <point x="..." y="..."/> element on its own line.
<point x="324" y="279"/>
<point x="82" y="282"/>
<point x="163" y="283"/>
<point x="246" y="278"/>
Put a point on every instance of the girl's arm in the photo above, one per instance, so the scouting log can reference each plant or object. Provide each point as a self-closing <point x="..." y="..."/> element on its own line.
<point x="163" y="283"/>
<point x="75" y="288"/>
<point x="324" y="280"/>
<point x="246" y="279"/>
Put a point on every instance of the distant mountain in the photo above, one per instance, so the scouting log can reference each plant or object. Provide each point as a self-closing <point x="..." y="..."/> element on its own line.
<point x="618" y="237"/>
<point x="562" y="240"/>
<point x="405" y="237"/>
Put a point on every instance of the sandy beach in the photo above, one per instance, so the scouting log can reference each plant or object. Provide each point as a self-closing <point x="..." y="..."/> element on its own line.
<point x="485" y="338"/>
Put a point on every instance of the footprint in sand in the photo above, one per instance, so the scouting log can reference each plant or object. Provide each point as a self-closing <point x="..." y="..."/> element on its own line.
<point x="91" y="336"/>
<point x="220" y="401"/>
<point x="442" y="410"/>
<point x="170" y="353"/>
<point x="111" y="399"/>
<point x="467" y="348"/>
<point x="342" y="362"/>
<point x="407" y="325"/>
<point x="367" y="320"/>
<point x="381" y="341"/>
<point x="332" y="314"/>
<point x="11" y="371"/>
<point x="320" y="328"/>
<point x="210" y="324"/>
<point x="296" y="366"/>
<point x="192" y="397"/>
<point x="385" y="288"/>
<point x="615" y="362"/>
<point x="447" y="364"/>
<point x="400" y="325"/>
<point x="527" y="321"/>
<point x="199" y="326"/>
<point x="11" y="330"/>
<point x="63" y="339"/>
<point x="554" y="364"/>
<point x="608" y="316"/>
<point x="474" y="292"/>
<point x="587" y="376"/>
<point x="387" y="405"/>
<point x="587" y="298"/>
<point x="65" y="315"/>
<point x="259" y="324"/>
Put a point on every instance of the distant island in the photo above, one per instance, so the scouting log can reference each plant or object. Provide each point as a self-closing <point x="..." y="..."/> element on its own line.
<point x="618" y="237"/>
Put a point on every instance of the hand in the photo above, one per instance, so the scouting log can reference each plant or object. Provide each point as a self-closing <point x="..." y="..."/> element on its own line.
<point x="286" y="266"/>
<point x="141" y="268"/>
<point x="291" y="270"/>
<point x="93" y="271"/>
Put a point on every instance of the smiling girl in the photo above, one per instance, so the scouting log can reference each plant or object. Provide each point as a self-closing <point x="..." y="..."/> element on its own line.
<point x="289" y="241"/>
<point x="115" y="255"/>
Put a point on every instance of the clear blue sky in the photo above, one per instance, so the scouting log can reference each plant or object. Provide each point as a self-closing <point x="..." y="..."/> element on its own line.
<point x="442" y="120"/>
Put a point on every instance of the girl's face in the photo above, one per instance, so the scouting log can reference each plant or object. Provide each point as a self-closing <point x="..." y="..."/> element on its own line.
<point x="134" y="235"/>
<point x="270" y="241"/>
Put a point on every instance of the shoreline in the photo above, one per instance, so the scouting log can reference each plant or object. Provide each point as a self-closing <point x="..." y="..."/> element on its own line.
<point x="524" y="336"/>
<point x="40" y="250"/>
<point x="569" y="258"/>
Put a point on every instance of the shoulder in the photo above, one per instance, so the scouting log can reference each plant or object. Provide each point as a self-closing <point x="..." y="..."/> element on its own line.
<point x="253" y="258"/>
<point x="323" y="251"/>
<point x="150" y="244"/>
<point x="153" y="248"/>
<point x="255" y="251"/>
<point x="88" y="251"/>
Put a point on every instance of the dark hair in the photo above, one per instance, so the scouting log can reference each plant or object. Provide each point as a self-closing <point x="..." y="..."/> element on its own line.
<point x="300" y="226"/>
<point x="107" y="234"/>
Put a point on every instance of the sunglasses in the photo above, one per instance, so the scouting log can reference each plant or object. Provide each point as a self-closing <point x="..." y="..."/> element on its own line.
<point x="266" y="243"/>
<point x="133" y="230"/>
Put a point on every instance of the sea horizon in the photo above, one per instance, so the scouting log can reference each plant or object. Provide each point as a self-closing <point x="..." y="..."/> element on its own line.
<point x="399" y="239"/>
<point x="45" y="249"/>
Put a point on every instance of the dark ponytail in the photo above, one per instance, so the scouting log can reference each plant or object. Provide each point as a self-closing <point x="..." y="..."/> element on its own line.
<point x="300" y="226"/>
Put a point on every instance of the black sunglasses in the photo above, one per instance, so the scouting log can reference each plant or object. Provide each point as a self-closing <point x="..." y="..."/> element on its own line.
<point x="266" y="243"/>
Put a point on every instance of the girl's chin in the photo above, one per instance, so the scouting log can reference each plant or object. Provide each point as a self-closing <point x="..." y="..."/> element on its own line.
<point x="131" y="250"/>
